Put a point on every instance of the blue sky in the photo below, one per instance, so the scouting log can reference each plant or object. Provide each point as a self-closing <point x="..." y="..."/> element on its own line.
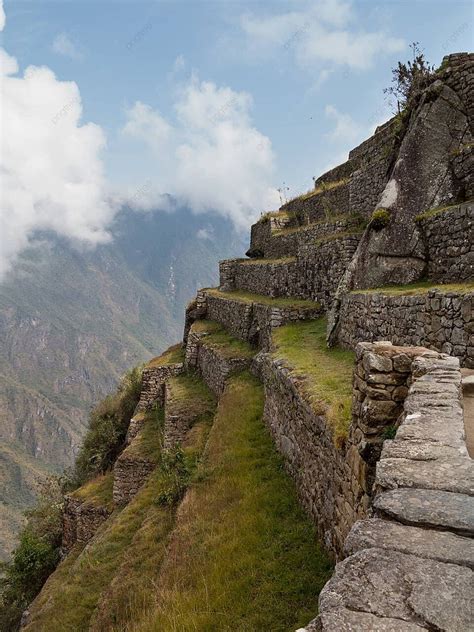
<point x="290" y="85"/>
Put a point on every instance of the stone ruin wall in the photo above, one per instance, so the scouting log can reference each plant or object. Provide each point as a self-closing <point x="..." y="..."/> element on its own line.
<point x="436" y="319"/>
<point x="334" y="479"/>
<point x="80" y="521"/>
<point x="409" y="565"/>
<point x="153" y="380"/>
<point x="449" y="244"/>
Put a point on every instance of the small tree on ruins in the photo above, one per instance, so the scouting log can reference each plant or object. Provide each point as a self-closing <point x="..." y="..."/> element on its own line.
<point x="410" y="79"/>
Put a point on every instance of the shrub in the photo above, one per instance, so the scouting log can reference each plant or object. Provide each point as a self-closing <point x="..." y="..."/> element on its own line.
<point x="107" y="429"/>
<point x="35" y="558"/>
<point x="176" y="476"/>
<point x="410" y="79"/>
<point x="380" y="218"/>
<point x="389" y="432"/>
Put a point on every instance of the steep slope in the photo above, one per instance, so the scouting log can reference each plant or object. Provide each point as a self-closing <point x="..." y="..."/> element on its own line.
<point x="71" y="322"/>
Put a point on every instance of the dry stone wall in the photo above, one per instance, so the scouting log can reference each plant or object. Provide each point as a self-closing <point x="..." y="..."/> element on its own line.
<point x="80" y="521"/>
<point x="449" y="240"/>
<point x="153" y="381"/>
<point x="131" y="470"/>
<point x="439" y="320"/>
<point x="410" y="565"/>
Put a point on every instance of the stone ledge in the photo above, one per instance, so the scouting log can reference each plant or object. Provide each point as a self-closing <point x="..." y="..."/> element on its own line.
<point x="436" y="545"/>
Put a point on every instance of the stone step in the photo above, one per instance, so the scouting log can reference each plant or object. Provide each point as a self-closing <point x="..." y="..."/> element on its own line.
<point x="215" y="354"/>
<point x="313" y="277"/>
<point x="252" y="317"/>
<point x="187" y="400"/>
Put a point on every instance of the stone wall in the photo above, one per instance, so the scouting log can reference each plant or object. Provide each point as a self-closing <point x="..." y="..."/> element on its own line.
<point x="80" y="521"/>
<point x="254" y="322"/>
<point x="449" y="242"/>
<point x="314" y="278"/>
<point x="153" y="380"/>
<point x="375" y="156"/>
<point x="409" y="566"/>
<point x="437" y="319"/>
<point x="131" y="470"/>
<point x="214" y="362"/>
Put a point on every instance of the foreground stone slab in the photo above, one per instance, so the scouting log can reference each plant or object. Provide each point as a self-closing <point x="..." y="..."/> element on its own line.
<point x="344" y="620"/>
<point x="435" y="545"/>
<point x="390" y="584"/>
<point x="428" y="508"/>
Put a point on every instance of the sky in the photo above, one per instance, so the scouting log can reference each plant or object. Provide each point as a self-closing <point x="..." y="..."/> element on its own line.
<point x="220" y="104"/>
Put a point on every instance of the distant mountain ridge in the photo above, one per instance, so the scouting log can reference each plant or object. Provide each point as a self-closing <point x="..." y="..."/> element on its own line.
<point x="72" y="321"/>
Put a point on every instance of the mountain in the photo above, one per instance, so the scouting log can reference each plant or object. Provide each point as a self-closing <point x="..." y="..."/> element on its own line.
<point x="72" y="321"/>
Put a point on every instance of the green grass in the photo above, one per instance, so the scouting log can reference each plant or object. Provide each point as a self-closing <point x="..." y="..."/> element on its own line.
<point x="327" y="372"/>
<point x="147" y="443"/>
<point x="229" y="346"/>
<point x="243" y="556"/>
<point x="98" y="491"/>
<point x="248" y="297"/>
<point x="339" y="235"/>
<point x="114" y="576"/>
<point x="422" y="287"/>
<point x="281" y="261"/>
<point x="190" y="395"/>
<point x="322" y="188"/>
<point x="432" y="212"/>
<point x="173" y="355"/>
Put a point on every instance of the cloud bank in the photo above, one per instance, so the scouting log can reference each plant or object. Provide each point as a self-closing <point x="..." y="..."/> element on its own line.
<point x="320" y="33"/>
<point x="210" y="157"/>
<point x="52" y="175"/>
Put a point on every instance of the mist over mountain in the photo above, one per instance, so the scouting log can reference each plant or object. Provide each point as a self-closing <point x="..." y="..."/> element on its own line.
<point x="72" y="321"/>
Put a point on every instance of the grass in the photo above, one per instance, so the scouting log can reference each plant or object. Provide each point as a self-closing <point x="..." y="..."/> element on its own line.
<point x="147" y="443"/>
<point x="322" y="188"/>
<point x="339" y="235"/>
<point x="98" y="491"/>
<point x="281" y="261"/>
<point x="243" y="556"/>
<point x="422" y="287"/>
<point x="270" y="215"/>
<point x="432" y="212"/>
<point x="229" y="346"/>
<point x="190" y="395"/>
<point x="114" y="576"/>
<point x="248" y="297"/>
<point x="173" y="355"/>
<point x="327" y="372"/>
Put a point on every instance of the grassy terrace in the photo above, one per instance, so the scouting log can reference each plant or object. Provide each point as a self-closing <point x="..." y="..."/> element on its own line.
<point x="243" y="556"/>
<point x="98" y="491"/>
<point x="327" y="220"/>
<point x="339" y="235"/>
<point x="188" y="392"/>
<point x="248" y="297"/>
<point x="101" y="586"/>
<point x="432" y="212"/>
<point x="419" y="288"/>
<point x="173" y="355"/>
<point x="147" y="443"/>
<point x="327" y="372"/>
<point x="281" y="261"/>
<point x="217" y="336"/>
<point x="325" y="186"/>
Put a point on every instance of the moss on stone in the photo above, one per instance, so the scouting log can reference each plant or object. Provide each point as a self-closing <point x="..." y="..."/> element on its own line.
<point x="326" y="373"/>
<point x="380" y="218"/>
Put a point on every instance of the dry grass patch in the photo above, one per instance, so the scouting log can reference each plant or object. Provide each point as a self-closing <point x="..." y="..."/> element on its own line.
<point x="173" y="355"/>
<point x="248" y="297"/>
<point x="419" y="288"/>
<point x="98" y="491"/>
<point x="326" y="373"/>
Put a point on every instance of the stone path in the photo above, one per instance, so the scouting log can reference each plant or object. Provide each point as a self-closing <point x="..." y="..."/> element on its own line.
<point x="468" y="398"/>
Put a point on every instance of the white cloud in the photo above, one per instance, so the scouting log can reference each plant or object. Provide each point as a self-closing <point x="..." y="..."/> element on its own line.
<point x="346" y="129"/>
<point x="179" y="64"/>
<point x="321" y="32"/>
<point x="211" y="157"/>
<point x="51" y="168"/>
<point x="2" y="16"/>
<point x="63" y="45"/>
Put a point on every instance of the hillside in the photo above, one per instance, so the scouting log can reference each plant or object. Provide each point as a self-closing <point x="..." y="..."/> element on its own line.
<point x="71" y="323"/>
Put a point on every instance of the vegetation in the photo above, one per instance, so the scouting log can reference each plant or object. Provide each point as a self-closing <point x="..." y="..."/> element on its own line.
<point x="242" y="555"/>
<point x="422" y="287"/>
<point x="282" y="260"/>
<point x="326" y="372"/>
<point x="217" y="336"/>
<point x="380" y="218"/>
<point x="432" y="212"/>
<point x="173" y="355"/>
<point x="97" y="491"/>
<point x="35" y="557"/>
<point x="248" y="297"/>
<point x="410" y="79"/>
<point x="107" y="429"/>
<point x="338" y="235"/>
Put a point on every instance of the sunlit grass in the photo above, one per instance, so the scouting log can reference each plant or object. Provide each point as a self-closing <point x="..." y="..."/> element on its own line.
<point x="326" y="373"/>
<point x="173" y="355"/>
<point x="249" y="297"/>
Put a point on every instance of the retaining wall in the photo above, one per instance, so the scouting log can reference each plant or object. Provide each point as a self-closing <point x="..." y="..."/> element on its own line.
<point x="437" y="319"/>
<point x="130" y="473"/>
<point x="153" y="380"/>
<point x="80" y="521"/>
